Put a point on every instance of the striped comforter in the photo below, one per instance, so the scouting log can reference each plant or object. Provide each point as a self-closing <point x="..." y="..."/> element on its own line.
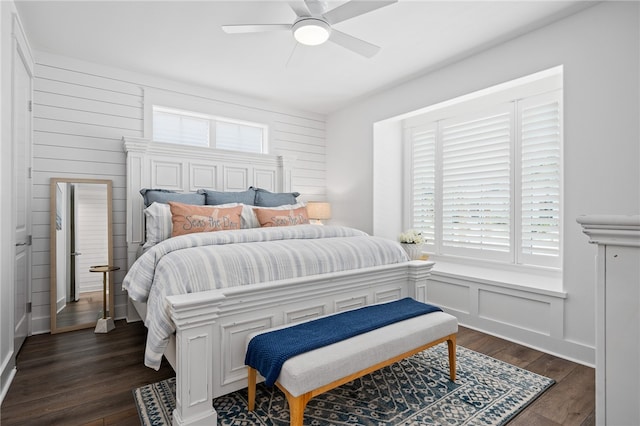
<point x="215" y="260"/>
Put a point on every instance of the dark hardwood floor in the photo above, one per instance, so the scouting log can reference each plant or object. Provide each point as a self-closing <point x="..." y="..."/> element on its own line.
<point x="86" y="310"/>
<point x="79" y="378"/>
<point x="82" y="378"/>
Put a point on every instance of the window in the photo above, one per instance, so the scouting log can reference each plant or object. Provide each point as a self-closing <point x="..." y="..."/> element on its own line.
<point x="189" y="128"/>
<point x="486" y="177"/>
<point x="180" y="128"/>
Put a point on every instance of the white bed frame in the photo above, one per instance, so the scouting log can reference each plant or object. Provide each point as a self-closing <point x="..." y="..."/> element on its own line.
<point x="211" y="327"/>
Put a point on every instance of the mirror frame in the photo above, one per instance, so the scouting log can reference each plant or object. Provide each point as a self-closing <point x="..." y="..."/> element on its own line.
<point x="53" y="250"/>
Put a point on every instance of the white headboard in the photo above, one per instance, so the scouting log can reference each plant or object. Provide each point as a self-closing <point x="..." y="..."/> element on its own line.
<point x="187" y="169"/>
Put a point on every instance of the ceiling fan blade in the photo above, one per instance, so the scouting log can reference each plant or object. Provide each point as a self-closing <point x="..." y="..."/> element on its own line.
<point x="316" y="7"/>
<point x="300" y="8"/>
<point x="356" y="45"/>
<point x="255" y="28"/>
<point x="354" y="8"/>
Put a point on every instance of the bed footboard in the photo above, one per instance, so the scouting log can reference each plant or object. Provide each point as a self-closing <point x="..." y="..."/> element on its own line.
<point x="212" y="326"/>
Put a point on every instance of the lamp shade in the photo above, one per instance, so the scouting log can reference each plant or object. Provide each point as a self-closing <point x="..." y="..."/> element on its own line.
<point x="318" y="210"/>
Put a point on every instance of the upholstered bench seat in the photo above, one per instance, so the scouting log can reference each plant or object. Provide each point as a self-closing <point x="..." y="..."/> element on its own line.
<point x="311" y="373"/>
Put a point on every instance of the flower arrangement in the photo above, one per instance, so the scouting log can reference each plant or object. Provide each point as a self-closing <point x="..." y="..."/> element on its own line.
<point x="411" y="237"/>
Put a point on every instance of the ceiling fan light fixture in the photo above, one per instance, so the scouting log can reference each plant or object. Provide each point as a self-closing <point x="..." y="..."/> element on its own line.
<point x="311" y="31"/>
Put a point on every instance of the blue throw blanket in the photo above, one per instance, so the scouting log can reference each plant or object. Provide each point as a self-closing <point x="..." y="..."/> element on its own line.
<point x="267" y="352"/>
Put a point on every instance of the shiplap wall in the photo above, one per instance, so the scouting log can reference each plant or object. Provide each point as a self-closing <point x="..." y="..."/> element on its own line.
<point x="82" y="111"/>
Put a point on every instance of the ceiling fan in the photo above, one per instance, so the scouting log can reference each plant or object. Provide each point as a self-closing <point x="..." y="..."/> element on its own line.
<point x="313" y="24"/>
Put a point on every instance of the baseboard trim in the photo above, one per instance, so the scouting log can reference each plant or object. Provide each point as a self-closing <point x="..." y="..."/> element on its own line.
<point x="8" y="373"/>
<point x="571" y="351"/>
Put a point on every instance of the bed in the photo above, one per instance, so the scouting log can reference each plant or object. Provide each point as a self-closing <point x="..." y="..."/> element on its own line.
<point x="205" y="315"/>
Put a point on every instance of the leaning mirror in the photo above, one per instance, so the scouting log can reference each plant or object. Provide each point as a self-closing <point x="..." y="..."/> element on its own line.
<point x="81" y="237"/>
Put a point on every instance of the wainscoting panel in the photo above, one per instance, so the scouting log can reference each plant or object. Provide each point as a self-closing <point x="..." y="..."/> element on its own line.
<point x="522" y="312"/>
<point x="534" y="318"/>
<point x="449" y="294"/>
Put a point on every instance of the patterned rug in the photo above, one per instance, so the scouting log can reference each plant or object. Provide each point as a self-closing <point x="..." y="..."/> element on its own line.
<point x="415" y="391"/>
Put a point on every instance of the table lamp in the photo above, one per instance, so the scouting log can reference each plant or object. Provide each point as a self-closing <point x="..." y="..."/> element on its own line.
<point x="318" y="211"/>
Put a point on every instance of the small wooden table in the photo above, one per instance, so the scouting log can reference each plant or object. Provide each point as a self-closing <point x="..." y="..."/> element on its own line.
<point x="105" y="324"/>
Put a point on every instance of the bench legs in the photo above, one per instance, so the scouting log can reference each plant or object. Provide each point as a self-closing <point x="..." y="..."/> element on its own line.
<point x="451" y="345"/>
<point x="251" y="389"/>
<point x="297" y="404"/>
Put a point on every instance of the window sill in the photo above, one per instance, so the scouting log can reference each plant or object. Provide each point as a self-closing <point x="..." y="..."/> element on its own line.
<point x="533" y="280"/>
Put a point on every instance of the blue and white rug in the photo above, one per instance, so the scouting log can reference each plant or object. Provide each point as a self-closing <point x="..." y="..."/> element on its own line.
<point x="415" y="391"/>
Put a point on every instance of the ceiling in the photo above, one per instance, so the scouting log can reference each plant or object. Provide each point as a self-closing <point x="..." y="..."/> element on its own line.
<point x="183" y="41"/>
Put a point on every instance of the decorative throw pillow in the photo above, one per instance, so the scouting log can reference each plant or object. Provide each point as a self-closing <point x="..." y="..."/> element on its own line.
<point x="265" y="198"/>
<point x="188" y="219"/>
<point x="279" y="217"/>
<point x="165" y="195"/>
<point x="249" y="219"/>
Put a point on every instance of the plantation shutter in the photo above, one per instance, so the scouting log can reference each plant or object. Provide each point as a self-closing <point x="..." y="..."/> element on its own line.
<point x="540" y="178"/>
<point x="181" y="129"/>
<point x="486" y="176"/>
<point x="423" y="161"/>
<point x="476" y="184"/>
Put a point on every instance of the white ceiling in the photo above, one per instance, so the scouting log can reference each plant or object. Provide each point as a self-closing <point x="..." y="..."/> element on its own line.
<point x="182" y="40"/>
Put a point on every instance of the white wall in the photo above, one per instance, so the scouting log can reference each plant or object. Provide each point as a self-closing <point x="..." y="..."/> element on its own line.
<point x="599" y="48"/>
<point x="82" y="111"/>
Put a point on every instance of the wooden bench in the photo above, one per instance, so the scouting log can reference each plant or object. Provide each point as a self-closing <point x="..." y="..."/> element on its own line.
<point x="312" y="373"/>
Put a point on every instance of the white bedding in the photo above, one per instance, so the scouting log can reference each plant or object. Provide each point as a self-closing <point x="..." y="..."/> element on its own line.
<point x="215" y="260"/>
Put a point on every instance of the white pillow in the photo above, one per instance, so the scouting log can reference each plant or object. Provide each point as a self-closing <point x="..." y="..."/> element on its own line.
<point x="249" y="219"/>
<point x="159" y="224"/>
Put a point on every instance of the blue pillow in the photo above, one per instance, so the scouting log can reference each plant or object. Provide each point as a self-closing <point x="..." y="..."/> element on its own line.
<point x="265" y="198"/>
<point x="165" y="195"/>
<point x="214" y="198"/>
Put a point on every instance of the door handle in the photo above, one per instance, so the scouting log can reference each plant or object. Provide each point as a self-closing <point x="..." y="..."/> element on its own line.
<point x="75" y="254"/>
<point x="28" y="242"/>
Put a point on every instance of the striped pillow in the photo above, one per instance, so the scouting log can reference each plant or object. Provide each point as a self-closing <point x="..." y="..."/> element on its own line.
<point x="158" y="224"/>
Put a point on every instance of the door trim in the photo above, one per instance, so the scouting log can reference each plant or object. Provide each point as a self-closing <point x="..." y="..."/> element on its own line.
<point x="21" y="51"/>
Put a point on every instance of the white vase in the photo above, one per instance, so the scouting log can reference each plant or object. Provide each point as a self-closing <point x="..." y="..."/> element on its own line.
<point x="413" y="250"/>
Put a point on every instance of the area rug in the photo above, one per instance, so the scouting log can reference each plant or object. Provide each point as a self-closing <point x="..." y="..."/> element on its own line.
<point x="415" y="391"/>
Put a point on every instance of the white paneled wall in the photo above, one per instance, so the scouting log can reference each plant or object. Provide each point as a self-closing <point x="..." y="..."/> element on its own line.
<point x="81" y="113"/>
<point x="79" y="120"/>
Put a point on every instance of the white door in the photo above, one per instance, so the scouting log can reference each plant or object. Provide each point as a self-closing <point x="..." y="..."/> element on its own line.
<point x="21" y="122"/>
